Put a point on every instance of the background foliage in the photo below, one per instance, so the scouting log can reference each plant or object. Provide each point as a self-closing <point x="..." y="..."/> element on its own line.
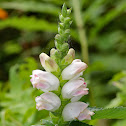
<point x="27" y="28"/>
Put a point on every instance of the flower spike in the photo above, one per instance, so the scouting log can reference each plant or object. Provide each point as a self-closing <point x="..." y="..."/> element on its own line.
<point x="61" y="82"/>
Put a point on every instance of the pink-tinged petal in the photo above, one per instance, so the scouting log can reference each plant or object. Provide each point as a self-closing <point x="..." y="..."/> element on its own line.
<point x="31" y="80"/>
<point x="75" y="69"/>
<point x="76" y="110"/>
<point x="36" y="75"/>
<point x="72" y="110"/>
<point x="44" y="106"/>
<point x="74" y="88"/>
<point x="85" y="115"/>
<point x="42" y="86"/>
<point x="48" y="101"/>
<point x="44" y="80"/>
<point x="80" y="92"/>
<point x="71" y="86"/>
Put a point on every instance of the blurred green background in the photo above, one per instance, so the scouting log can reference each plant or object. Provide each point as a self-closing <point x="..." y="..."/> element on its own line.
<point x="28" y="27"/>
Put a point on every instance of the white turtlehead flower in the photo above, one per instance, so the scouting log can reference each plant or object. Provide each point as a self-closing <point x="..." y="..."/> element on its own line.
<point x="48" y="101"/>
<point x="74" y="70"/>
<point x="76" y="111"/>
<point x="44" y="80"/>
<point x="48" y="63"/>
<point x="74" y="89"/>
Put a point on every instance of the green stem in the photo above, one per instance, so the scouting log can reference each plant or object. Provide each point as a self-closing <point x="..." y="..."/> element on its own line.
<point x="3" y="118"/>
<point x="83" y="38"/>
<point x="81" y="30"/>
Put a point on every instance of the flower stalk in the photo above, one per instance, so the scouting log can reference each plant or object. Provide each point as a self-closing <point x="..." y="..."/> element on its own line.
<point x="81" y="30"/>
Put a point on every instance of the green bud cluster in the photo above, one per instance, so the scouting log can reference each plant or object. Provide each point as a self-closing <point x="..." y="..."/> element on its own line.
<point x="63" y="34"/>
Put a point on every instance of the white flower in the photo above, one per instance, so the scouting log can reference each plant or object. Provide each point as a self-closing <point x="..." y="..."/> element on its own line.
<point x="48" y="63"/>
<point x="74" y="70"/>
<point x="44" y="80"/>
<point x="74" y="89"/>
<point x="48" y="101"/>
<point x="76" y="110"/>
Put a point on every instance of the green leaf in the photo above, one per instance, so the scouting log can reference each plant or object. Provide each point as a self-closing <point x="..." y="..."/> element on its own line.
<point x="28" y="113"/>
<point x="113" y="62"/>
<point x="11" y="48"/>
<point x="15" y="81"/>
<point x="32" y="6"/>
<point x="25" y="70"/>
<point x="95" y="9"/>
<point x="118" y="76"/>
<point x="28" y="23"/>
<point x="32" y="24"/>
<point x="115" y="102"/>
<point x="110" y="113"/>
<point x="104" y="20"/>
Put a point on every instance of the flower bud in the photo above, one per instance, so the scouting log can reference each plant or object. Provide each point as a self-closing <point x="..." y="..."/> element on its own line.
<point x="58" y="37"/>
<point x="65" y="47"/>
<point x="74" y="70"/>
<point x="52" y="51"/>
<point x="69" y="57"/>
<point x="69" y="11"/>
<point x="48" y="101"/>
<point x="64" y="10"/>
<point x="48" y="63"/>
<point x="74" y="89"/>
<point x="61" y="25"/>
<point x="60" y="31"/>
<point x="76" y="110"/>
<point x="67" y="20"/>
<point x="67" y="31"/>
<point x="66" y="34"/>
<point x="61" y="18"/>
<point x="71" y="52"/>
<point x="44" y="80"/>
